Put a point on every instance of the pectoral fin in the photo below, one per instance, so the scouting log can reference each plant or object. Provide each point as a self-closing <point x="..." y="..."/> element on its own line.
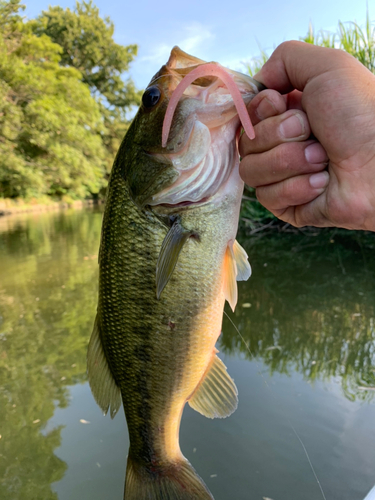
<point x="243" y="265"/>
<point x="230" y="277"/>
<point x="216" y="395"/>
<point x="169" y="253"/>
<point x="103" y="386"/>
<point x="236" y="268"/>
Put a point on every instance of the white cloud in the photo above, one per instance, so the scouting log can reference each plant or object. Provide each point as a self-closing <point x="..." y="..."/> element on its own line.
<point x="197" y="38"/>
<point x="193" y="39"/>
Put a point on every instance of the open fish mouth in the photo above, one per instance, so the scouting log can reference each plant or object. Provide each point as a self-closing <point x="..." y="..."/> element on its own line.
<point x="231" y="81"/>
<point x="203" y="148"/>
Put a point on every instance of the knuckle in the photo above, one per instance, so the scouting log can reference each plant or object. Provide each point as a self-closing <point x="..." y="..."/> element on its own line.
<point x="260" y="193"/>
<point x="298" y="222"/>
<point x="287" y="46"/>
<point x="276" y="99"/>
<point x="247" y="173"/>
<point x="284" y="159"/>
<point x="284" y="190"/>
<point x="343" y="56"/>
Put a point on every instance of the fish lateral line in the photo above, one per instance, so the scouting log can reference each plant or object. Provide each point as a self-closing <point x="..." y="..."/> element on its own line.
<point x="209" y="69"/>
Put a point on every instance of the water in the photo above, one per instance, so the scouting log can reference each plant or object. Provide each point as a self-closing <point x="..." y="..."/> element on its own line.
<point x="305" y="364"/>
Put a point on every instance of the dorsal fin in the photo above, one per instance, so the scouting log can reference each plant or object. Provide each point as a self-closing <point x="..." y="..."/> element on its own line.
<point x="169" y="253"/>
<point x="216" y="395"/>
<point x="103" y="386"/>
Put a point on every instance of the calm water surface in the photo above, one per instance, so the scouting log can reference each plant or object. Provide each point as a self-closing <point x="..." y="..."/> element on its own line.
<point x="303" y="362"/>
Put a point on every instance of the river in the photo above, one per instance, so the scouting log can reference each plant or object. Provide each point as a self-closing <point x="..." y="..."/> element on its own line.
<point x="300" y="347"/>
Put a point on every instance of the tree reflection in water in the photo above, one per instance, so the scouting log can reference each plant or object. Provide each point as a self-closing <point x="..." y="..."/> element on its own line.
<point x="48" y="292"/>
<point x="309" y="307"/>
<point x="312" y="310"/>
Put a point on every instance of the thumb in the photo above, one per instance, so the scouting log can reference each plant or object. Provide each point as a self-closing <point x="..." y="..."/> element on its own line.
<point x="293" y="64"/>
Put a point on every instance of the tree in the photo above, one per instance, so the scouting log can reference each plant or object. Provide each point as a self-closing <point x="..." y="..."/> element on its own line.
<point x="87" y="44"/>
<point x="50" y="125"/>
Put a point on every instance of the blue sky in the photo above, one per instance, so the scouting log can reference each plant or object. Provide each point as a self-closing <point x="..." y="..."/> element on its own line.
<point x="214" y="30"/>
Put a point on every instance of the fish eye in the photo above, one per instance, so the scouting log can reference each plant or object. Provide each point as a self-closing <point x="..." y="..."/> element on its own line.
<point x="151" y="97"/>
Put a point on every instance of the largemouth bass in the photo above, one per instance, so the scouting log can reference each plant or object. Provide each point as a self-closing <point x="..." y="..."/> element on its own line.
<point x="168" y="260"/>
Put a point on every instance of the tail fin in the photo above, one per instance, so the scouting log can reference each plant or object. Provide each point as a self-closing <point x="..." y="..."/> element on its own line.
<point x="177" y="481"/>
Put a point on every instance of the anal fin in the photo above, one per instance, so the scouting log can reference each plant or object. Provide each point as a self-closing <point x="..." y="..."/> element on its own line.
<point x="216" y="395"/>
<point x="103" y="386"/>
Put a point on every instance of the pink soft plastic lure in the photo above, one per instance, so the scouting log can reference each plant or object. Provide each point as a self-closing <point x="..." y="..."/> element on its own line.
<point x="209" y="69"/>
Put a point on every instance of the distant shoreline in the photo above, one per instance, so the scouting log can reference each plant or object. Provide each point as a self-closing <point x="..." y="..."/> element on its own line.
<point x="10" y="207"/>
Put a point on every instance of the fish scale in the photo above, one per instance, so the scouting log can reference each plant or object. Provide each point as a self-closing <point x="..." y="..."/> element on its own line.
<point x="132" y="317"/>
<point x="165" y="272"/>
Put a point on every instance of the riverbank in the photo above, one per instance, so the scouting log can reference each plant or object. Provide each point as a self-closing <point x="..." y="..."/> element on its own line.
<point x="11" y="207"/>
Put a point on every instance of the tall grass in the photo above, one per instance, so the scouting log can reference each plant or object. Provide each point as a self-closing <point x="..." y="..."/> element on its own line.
<point x="255" y="63"/>
<point x="354" y="39"/>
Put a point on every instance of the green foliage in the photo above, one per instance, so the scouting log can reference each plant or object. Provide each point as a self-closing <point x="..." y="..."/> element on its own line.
<point x="87" y="45"/>
<point x="49" y="123"/>
<point x="357" y="41"/>
<point x="63" y="101"/>
<point x="322" y="38"/>
<point x="255" y="64"/>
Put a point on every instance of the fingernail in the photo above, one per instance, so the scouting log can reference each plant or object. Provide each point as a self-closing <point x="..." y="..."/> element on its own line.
<point x="315" y="153"/>
<point x="265" y="109"/>
<point x="319" y="180"/>
<point x="292" y="127"/>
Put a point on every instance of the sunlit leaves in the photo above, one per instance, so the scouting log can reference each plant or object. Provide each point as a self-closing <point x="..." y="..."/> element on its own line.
<point x="87" y="44"/>
<point x="49" y="123"/>
<point x="63" y="101"/>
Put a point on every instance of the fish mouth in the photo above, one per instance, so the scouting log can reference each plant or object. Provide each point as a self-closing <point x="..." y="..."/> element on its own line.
<point x="204" y="165"/>
<point x="180" y="64"/>
<point x="202" y="146"/>
<point x="230" y="81"/>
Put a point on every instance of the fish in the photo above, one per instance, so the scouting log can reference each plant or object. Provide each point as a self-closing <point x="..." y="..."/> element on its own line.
<point x="168" y="260"/>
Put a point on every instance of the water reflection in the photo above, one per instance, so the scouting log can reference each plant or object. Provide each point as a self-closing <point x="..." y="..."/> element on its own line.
<point x="309" y="307"/>
<point x="47" y="300"/>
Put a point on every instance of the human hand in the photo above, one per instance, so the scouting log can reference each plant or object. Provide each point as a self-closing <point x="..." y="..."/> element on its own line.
<point x="323" y="180"/>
